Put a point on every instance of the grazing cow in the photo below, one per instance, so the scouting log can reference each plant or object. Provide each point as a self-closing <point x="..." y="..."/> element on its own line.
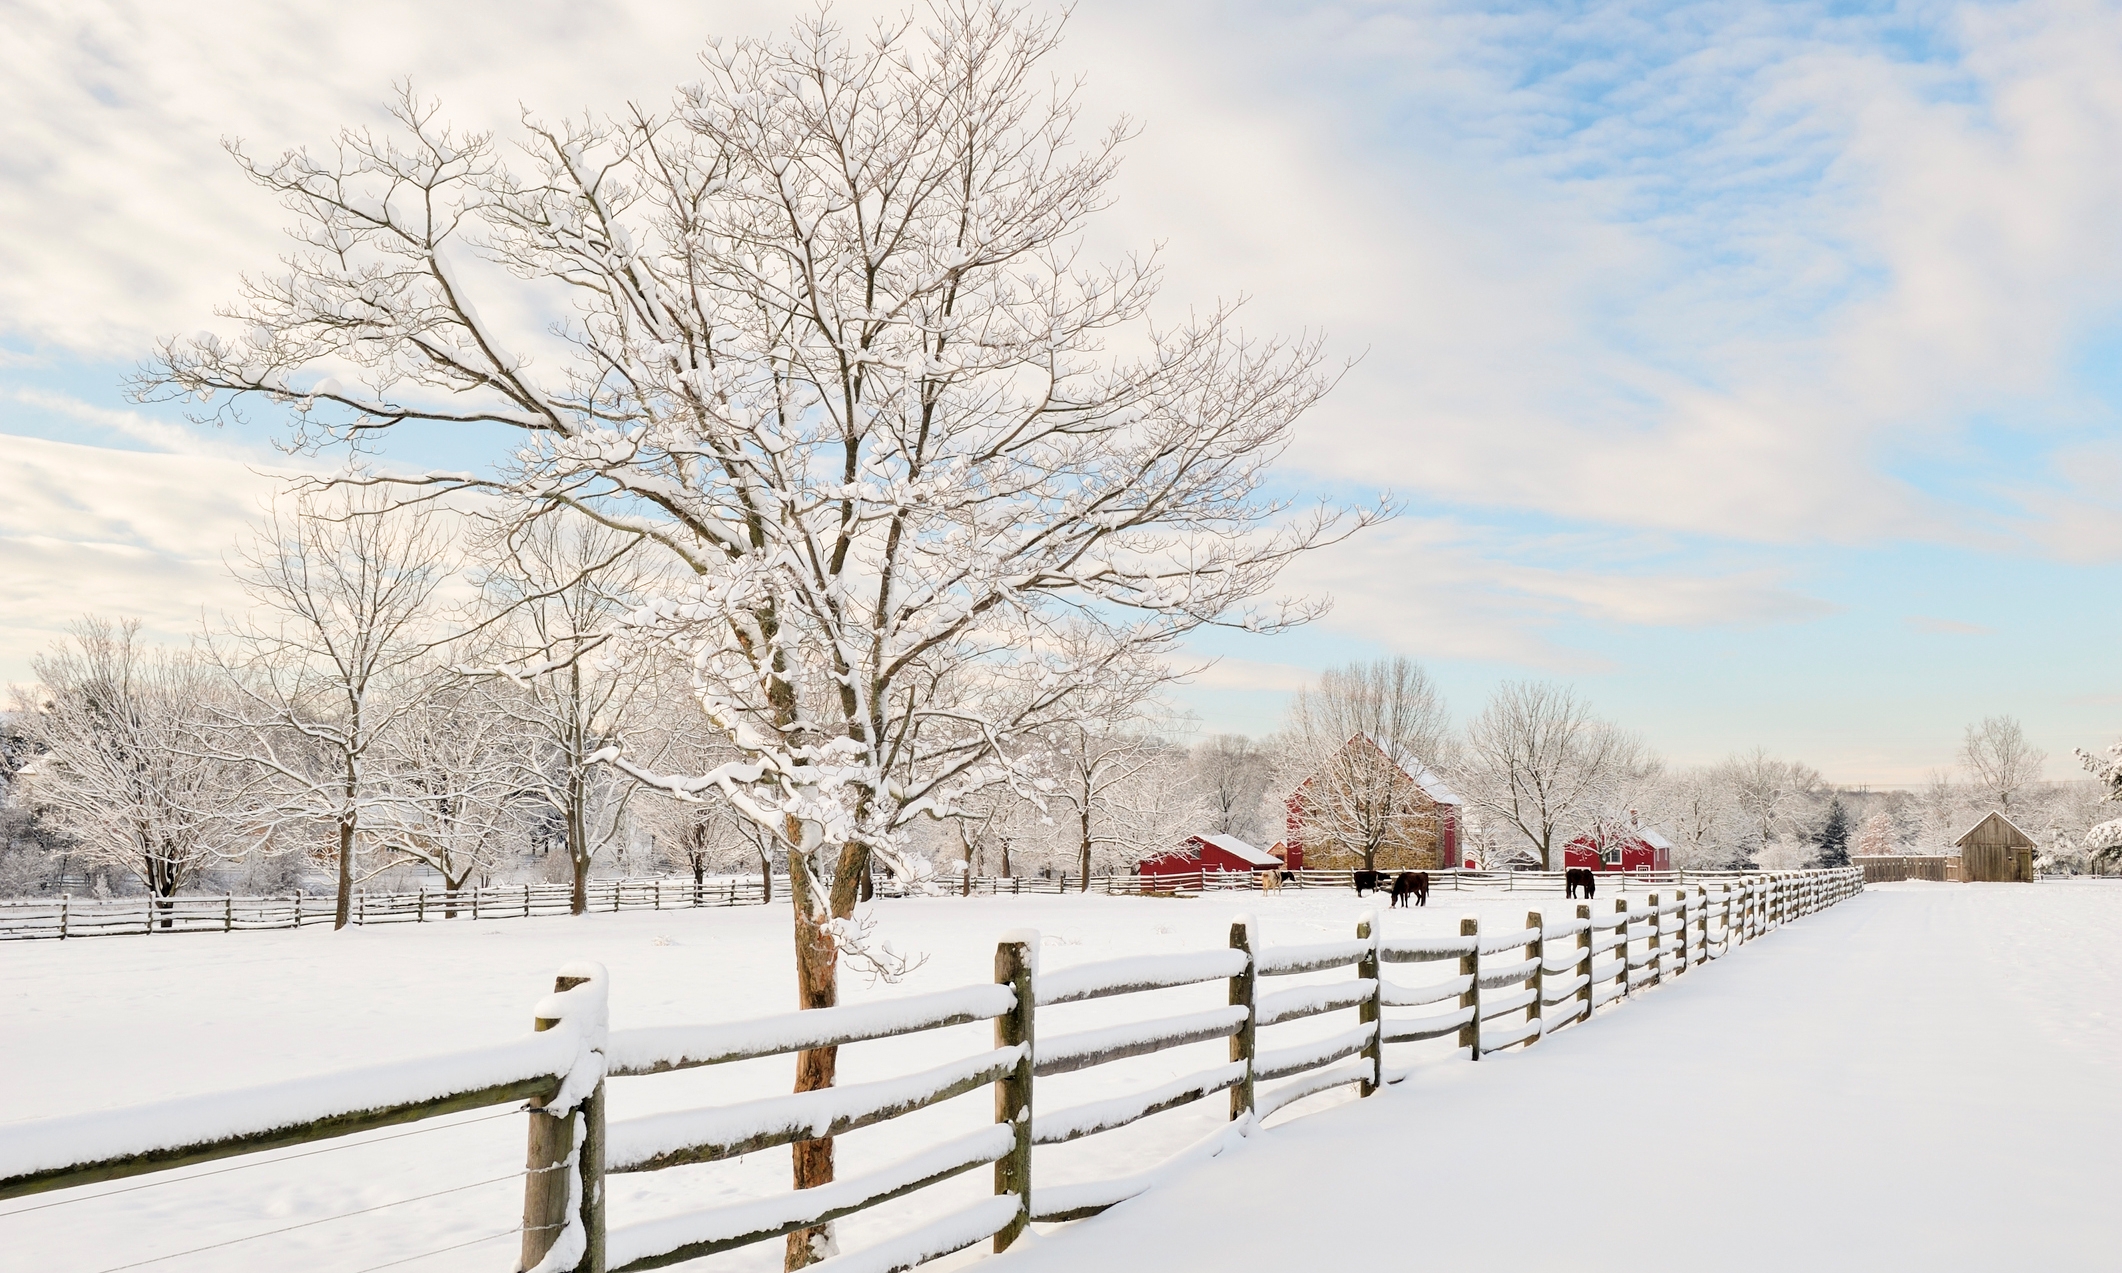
<point x="1270" y="881"/>
<point x="1582" y="877"/>
<point x="1413" y="884"/>
<point x="1368" y="881"/>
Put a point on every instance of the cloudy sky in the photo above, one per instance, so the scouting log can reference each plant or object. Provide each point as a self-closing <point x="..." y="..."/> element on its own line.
<point x="1755" y="367"/>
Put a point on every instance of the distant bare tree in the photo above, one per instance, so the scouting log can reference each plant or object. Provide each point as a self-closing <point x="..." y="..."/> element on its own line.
<point x="1999" y="759"/>
<point x="1776" y="798"/>
<point x="553" y="590"/>
<point x="329" y="656"/>
<point x="1877" y="835"/>
<point x="124" y="768"/>
<point x="1539" y="763"/>
<point x="1231" y="773"/>
<point x="449" y="796"/>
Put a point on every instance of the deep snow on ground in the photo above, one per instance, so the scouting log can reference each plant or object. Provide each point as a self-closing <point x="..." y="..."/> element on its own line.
<point x="1921" y="1078"/>
<point x="118" y="1021"/>
<point x="1828" y="1070"/>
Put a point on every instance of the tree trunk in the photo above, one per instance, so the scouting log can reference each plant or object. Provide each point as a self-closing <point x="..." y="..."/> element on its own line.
<point x="578" y="846"/>
<point x="342" y="912"/>
<point x="766" y="877"/>
<point x="817" y="986"/>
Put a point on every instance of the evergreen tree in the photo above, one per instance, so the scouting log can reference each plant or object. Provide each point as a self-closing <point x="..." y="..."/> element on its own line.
<point x="1832" y="839"/>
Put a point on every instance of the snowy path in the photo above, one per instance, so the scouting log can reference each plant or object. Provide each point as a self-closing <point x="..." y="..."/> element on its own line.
<point x="1922" y="1078"/>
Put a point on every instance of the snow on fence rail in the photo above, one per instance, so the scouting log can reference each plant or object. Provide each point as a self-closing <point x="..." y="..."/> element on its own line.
<point x="1506" y="989"/>
<point x="68" y="916"/>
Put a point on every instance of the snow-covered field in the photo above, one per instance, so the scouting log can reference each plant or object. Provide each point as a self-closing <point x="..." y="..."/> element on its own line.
<point x="1882" y="1067"/>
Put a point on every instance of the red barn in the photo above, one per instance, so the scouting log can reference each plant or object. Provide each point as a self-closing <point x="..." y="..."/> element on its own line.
<point x="1634" y="847"/>
<point x="1431" y="813"/>
<point x="1209" y="853"/>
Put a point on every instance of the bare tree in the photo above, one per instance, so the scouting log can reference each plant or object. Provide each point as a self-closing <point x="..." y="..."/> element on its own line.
<point x="1776" y="798"/>
<point x="835" y="350"/>
<point x="123" y="768"/>
<point x="1877" y="835"/>
<point x="1696" y="809"/>
<point x="1539" y="763"/>
<point x="554" y="589"/>
<point x="1354" y="748"/>
<point x="1231" y="773"/>
<point x="449" y="798"/>
<point x="2000" y="760"/>
<point x="329" y="657"/>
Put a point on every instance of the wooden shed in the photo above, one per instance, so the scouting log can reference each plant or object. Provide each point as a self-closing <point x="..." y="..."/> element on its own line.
<point x="1994" y="850"/>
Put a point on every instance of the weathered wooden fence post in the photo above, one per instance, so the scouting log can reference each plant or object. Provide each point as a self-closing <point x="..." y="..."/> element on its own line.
<point x="548" y="1185"/>
<point x="1686" y="933"/>
<point x="228" y="912"/>
<point x="1536" y="1014"/>
<point x="1470" y="968"/>
<point x="1654" y="948"/>
<point x="1242" y="988"/>
<point x="1367" y="1013"/>
<point x="1621" y="909"/>
<point x="1584" y="963"/>
<point x="1013" y="1094"/>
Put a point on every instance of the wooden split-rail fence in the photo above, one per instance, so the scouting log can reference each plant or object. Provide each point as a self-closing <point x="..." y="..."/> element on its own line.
<point x="68" y="916"/>
<point x="1506" y="989"/>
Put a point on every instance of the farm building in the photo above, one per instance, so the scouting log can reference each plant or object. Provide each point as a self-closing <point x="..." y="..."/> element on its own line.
<point x="1209" y="853"/>
<point x="1373" y="793"/>
<point x="1636" y="847"/>
<point x="1994" y="850"/>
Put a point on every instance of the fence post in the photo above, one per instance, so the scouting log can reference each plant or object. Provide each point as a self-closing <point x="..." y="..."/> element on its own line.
<point x="360" y="907"/>
<point x="1242" y="992"/>
<point x="547" y="1185"/>
<point x="1584" y="962"/>
<point x="1367" y="1013"/>
<point x="1654" y="949"/>
<point x="1727" y="899"/>
<point x="298" y="908"/>
<point x="1538" y="947"/>
<point x="420" y="914"/>
<point x="1013" y="1094"/>
<point x="228" y="912"/>
<point x="1686" y="934"/>
<point x="1470" y="967"/>
<point x="1702" y="920"/>
<point x="66" y="902"/>
<point x="1621" y="909"/>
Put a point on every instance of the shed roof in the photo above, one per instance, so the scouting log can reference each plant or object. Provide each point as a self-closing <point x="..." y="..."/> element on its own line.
<point x="1239" y="849"/>
<point x="1996" y="829"/>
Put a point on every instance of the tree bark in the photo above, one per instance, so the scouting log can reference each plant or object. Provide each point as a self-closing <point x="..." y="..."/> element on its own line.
<point x="817" y="986"/>
<point x="342" y="911"/>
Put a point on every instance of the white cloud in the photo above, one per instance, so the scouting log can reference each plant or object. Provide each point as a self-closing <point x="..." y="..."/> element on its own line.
<point x="121" y="533"/>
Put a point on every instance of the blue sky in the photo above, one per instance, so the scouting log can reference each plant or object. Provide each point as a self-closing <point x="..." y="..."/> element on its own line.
<point x="1754" y="367"/>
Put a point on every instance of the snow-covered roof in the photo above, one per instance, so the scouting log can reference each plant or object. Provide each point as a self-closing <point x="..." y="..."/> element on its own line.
<point x="1240" y="850"/>
<point x="1651" y="836"/>
<point x="1432" y="786"/>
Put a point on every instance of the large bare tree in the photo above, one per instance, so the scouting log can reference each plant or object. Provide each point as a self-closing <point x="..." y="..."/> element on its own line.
<point x="1353" y="748"/>
<point x="124" y="767"/>
<point x="332" y="652"/>
<point x="828" y="339"/>
<point x="2000" y="759"/>
<point x="1538" y="763"/>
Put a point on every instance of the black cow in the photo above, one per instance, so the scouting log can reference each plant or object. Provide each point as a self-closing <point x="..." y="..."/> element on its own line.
<point x="1583" y="877"/>
<point x="1369" y="881"/>
<point x="1413" y="884"/>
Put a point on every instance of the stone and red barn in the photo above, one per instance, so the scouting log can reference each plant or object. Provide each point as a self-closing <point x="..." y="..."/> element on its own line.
<point x="1418" y="814"/>
<point x="1205" y="853"/>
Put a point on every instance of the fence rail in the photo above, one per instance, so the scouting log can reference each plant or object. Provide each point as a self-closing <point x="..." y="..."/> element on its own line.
<point x="68" y="916"/>
<point x="1508" y="989"/>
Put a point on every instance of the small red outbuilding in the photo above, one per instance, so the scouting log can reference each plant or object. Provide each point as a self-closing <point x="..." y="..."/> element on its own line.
<point x="1210" y="853"/>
